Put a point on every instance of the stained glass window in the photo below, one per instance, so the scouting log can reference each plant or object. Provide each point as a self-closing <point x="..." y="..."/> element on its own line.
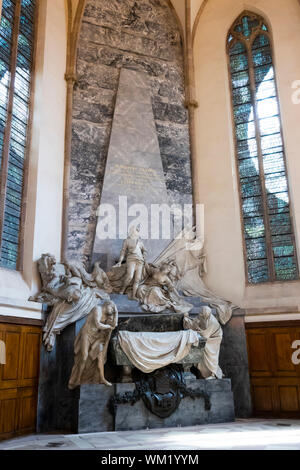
<point x="16" y="57"/>
<point x="265" y="203"/>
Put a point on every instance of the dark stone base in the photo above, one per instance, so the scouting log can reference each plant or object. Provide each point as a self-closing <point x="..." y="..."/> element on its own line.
<point x="61" y="409"/>
<point x="94" y="414"/>
<point x="93" y="410"/>
<point x="191" y="412"/>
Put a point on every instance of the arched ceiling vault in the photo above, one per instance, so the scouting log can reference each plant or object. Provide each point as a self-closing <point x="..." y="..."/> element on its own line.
<point x="75" y="10"/>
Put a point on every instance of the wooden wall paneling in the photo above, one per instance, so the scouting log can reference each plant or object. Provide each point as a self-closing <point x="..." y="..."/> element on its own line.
<point x="19" y="379"/>
<point x="275" y="380"/>
<point x="13" y="343"/>
<point x="28" y="409"/>
<point x="282" y="340"/>
<point x="8" y="411"/>
<point x="32" y="343"/>
<point x="259" y="352"/>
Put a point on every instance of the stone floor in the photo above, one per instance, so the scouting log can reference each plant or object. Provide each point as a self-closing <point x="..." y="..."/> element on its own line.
<point x="254" y="434"/>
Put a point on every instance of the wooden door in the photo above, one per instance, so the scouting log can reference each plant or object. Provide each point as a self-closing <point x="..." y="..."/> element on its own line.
<point x="275" y="379"/>
<point x="19" y="379"/>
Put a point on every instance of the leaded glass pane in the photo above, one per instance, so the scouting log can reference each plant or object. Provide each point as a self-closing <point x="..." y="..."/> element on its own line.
<point x="278" y="202"/>
<point x="19" y="117"/>
<point x="267" y="108"/>
<point x="276" y="183"/>
<point x="271" y="144"/>
<point x="246" y="149"/>
<point x="261" y="165"/>
<point x="254" y="227"/>
<point x="248" y="167"/>
<point x="245" y="131"/>
<point x="280" y="224"/>
<point x="240" y="79"/>
<point x="246" y="26"/>
<point x="286" y="268"/>
<point x="283" y="245"/>
<point x="266" y="89"/>
<point x="239" y="62"/>
<point x="258" y="271"/>
<point x="250" y="187"/>
<point x="252" y="206"/>
<point x="262" y="56"/>
<point x="237" y="48"/>
<point x="261" y="41"/>
<point x="256" y="249"/>
<point x="242" y="113"/>
<point x="241" y="95"/>
<point x="269" y="126"/>
<point x="265" y="72"/>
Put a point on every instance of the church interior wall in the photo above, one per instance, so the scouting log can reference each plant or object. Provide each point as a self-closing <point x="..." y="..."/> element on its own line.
<point x="143" y="37"/>
<point x="104" y="47"/>
<point x="46" y="163"/>
<point x="215" y="146"/>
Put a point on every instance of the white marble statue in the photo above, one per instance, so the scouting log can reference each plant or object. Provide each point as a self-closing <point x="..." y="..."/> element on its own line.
<point x="64" y="287"/>
<point x="152" y="285"/>
<point x="187" y="253"/>
<point x="134" y="252"/>
<point x="158" y="292"/>
<point x="209" y="328"/>
<point x="90" y="347"/>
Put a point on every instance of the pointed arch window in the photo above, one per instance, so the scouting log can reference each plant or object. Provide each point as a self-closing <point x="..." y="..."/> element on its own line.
<point x="16" y="59"/>
<point x="269" y="242"/>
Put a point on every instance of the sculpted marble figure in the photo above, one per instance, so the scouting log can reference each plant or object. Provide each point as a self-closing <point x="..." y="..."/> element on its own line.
<point x="158" y="292"/>
<point x="91" y="345"/>
<point x="71" y="291"/>
<point x="134" y="252"/>
<point x="186" y="252"/>
<point x="210" y="329"/>
<point x="152" y="285"/>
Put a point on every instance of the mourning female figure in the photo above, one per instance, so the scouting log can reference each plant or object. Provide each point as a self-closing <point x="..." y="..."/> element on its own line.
<point x="91" y="345"/>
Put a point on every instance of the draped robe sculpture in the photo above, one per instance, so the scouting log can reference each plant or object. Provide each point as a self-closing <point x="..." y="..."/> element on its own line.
<point x="71" y="291"/>
<point x="90" y="347"/>
<point x="208" y="327"/>
<point x="134" y="252"/>
<point x="186" y="252"/>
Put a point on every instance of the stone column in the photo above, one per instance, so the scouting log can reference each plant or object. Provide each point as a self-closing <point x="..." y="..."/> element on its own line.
<point x="71" y="80"/>
<point x="74" y="23"/>
<point x="191" y="105"/>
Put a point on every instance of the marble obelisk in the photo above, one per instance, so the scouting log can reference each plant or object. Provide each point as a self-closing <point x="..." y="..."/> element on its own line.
<point x="134" y="183"/>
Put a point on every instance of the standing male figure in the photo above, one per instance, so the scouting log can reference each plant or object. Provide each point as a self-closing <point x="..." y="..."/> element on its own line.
<point x="134" y="251"/>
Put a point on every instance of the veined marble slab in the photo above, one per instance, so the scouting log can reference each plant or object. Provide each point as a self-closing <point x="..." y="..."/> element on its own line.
<point x="133" y="170"/>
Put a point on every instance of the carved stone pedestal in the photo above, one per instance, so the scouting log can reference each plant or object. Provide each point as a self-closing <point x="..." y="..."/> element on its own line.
<point x="86" y="409"/>
<point x="97" y="411"/>
<point x="191" y="411"/>
<point x="93" y="409"/>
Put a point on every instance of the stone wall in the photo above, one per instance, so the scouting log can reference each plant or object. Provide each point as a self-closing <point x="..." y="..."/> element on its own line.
<point x="141" y="35"/>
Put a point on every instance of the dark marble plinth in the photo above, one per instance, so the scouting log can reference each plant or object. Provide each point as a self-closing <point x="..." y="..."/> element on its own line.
<point x="191" y="412"/>
<point x="93" y="409"/>
<point x="234" y="363"/>
<point x="127" y="307"/>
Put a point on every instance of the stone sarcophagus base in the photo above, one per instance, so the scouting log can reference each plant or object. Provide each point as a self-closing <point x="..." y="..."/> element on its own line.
<point x="190" y="412"/>
<point x="98" y="412"/>
<point x="93" y="408"/>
